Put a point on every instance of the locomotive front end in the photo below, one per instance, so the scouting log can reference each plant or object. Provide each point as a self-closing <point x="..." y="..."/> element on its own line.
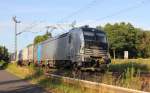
<point x="96" y="54"/>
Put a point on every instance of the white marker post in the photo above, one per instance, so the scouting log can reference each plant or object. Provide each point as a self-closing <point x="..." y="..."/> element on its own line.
<point x="126" y="54"/>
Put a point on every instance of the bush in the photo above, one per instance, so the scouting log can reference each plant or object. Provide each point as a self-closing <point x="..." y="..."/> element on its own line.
<point x="3" y="64"/>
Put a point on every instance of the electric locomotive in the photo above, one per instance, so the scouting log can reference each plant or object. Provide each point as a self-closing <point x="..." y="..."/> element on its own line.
<point x="82" y="48"/>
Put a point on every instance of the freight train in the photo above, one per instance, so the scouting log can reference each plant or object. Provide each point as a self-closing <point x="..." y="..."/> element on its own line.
<point x="84" y="48"/>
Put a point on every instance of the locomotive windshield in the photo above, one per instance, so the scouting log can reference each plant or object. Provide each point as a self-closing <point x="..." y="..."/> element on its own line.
<point x="101" y="37"/>
<point x="95" y="39"/>
<point x="89" y="36"/>
<point x="92" y="36"/>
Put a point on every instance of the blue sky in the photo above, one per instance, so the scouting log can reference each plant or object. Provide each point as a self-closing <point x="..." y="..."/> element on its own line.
<point x="48" y="12"/>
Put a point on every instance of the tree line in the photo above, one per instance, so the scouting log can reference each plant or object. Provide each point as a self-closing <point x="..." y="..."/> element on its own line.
<point x="41" y="38"/>
<point x="125" y="37"/>
<point x="4" y="55"/>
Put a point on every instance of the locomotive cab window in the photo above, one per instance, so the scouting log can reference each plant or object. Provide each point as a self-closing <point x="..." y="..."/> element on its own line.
<point x="101" y="37"/>
<point x="88" y="35"/>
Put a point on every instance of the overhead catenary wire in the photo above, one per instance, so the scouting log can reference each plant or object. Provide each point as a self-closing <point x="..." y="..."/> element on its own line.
<point x="105" y="17"/>
<point x="121" y="11"/>
<point x="80" y="10"/>
<point x="27" y="29"/>
<point x="90" y="4"/>
<point x="31" y="26"/>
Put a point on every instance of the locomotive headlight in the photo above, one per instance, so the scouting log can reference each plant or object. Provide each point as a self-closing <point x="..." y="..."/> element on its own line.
<point x="101" y="60"/>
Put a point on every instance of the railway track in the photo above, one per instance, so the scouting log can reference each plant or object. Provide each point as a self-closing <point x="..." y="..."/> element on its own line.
<point x="94" y="76"/>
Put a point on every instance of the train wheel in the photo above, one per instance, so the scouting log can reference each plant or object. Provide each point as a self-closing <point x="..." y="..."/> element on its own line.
<point x="74" y="66"/>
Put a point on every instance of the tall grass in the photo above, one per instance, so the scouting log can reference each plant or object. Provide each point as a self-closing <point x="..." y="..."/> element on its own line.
<point x="130" y="73"/>
<point x="57" y="86"/>
<point x="17" y="70"/>
<point x="122" y="65"/>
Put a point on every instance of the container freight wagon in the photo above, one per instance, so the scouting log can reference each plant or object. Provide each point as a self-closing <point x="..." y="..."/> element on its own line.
<point x="12" y="57"/>
<point x="19" y="57"/>
<point x="25" y="55"/>
<point x="53" y="51"/>
<point x="37" y="54"/>
<point x="30" y="53"/>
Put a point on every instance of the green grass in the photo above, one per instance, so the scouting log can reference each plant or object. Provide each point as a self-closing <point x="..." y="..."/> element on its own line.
<point x="121" y="65"/>
<point x="17" y="70"/>
<point x="36" y="76"/>
<point x="59" y="87"/>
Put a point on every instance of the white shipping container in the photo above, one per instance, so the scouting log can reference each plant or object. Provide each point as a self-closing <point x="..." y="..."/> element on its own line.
<point x="30" y="52"/>
<point x="25" y="54"/>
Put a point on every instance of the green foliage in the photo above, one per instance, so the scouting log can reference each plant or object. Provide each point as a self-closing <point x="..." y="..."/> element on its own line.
<point x="4" y="55"/>
<point x="125" y="37"/>
<point x="29" y="45"/>
<point x="2" y="62"/>
<point x="144" y="44"/>
<point x="41" y="38"/>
